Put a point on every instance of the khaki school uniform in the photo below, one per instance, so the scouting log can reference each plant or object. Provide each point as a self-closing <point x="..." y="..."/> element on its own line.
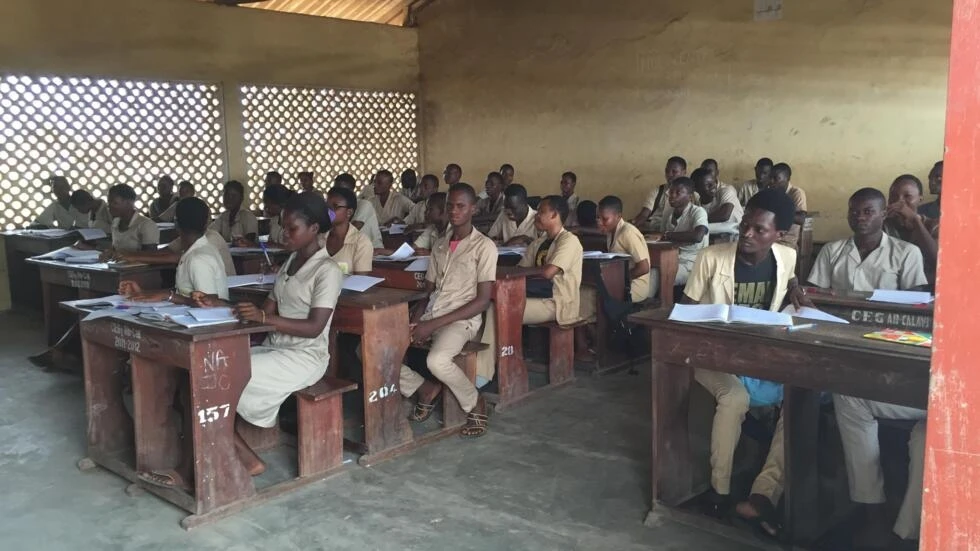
<point x="287" y="363"/>
<point x="216" y="241"/>
<point x="627" y="239"/>
<point x="455" y="275"/>
<point x="417" y="214"/>
<point x="726" y="194"/>
<point x="798" y="196"/>
<point x="692" y="217"/>
<point x="103" y="219"/>
<point x="142" y="232"/>
<point x="244" y="224"/>
<point x="895" y="264"/>
<point x="157" y="207"/>
<point x="356" y="254"/>
<point x="504" y="229"/>
<point x="712" y="281"/>
<point x="568" y="304"/>
<point x="368" y="217"/>
<point x="656" y="202"/>
<point x="747" y="190"/>
<point x="573" y="201"/>
<point x="487" y="207"/>
<point x="170" y="214"/>
<point x="275" y="229"/>
<point x="397" y="206"/>
<point x="55" y="215"/>
<point x="201" y="268"/>
<point x="428" y="237"/>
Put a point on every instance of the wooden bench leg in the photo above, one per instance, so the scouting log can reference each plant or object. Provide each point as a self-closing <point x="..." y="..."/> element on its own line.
<point x="561" y="356"/>
<point x="320" y="435"/>
<point x="452" y="413"/>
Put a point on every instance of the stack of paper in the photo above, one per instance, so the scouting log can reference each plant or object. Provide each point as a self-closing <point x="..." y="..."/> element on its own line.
<point x="397" y="229"/>
<point x="901" y="297"/>
<point x="92" y="234"/>
<point x="64" y="253"/>
<point x="812" y="314"/>
<point x="701" y="313"/>
<point x="403" y="253"/>
<point x="48" y="234"/>
<point x="420" y="264"/>
<point x="600" y="254"/>
<point x="516" y="250"/>
<point x="250" y="279"/>
<point x="203" y="317"/>
<point x="360" y="283"/>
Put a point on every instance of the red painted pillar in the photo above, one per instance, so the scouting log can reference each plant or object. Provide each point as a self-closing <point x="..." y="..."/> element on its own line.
<point x="951" y="503"/>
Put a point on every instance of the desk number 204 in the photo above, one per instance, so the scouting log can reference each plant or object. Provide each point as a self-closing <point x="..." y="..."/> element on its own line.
<point x="213" y="413"/>
<point x="382" y="393"/>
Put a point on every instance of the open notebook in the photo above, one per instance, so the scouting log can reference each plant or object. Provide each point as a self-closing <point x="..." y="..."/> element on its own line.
<point x="703" y="313"/>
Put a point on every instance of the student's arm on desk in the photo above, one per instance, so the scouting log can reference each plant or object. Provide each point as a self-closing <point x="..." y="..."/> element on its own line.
<point x="421" y="331"/>
<point x="307" y="328"/>
<point x="518" y="241"/>
<point x="687" y="237"/>
<point x="722" y="213"/>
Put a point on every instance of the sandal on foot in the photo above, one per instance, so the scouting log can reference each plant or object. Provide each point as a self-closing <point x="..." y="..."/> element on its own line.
<point x="476" y="425"/>
<point x="423" y="411"/>
<point x="164" y="478"/>
<point x="766" y="522"/>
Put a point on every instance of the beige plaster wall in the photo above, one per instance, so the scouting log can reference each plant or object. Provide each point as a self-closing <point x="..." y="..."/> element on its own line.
<point x="849" y="92"/>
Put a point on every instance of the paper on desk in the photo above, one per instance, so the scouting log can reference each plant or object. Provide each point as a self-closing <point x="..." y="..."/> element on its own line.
<point x="165" y="313"/>
<point x="69" y="252"/>
<point x="397" y="229"/>
<point x="191" y="322"/>
<point x="514" y="250"/>
<point x="220" y="313"/>
<point x="108" y="313"/>
<point x="53" y="233"/>
<point x="600" y="254"/>
<point x="250" y="279"/>
<point x="420" y="264"/>
<point x="91" y="234"/>
<point x="360" y="283"/>
<point x="901" y="297"/>
<point x="403" y="253"/>
<point x="812" y="314"/>
<point x="698" y="313"/>
<point x="114" y="300"/>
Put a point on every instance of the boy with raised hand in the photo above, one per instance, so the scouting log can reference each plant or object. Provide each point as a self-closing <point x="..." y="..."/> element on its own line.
<point x="652" y="213"/>
<point x="515" y="225"/>
<point x="623" y="237"/>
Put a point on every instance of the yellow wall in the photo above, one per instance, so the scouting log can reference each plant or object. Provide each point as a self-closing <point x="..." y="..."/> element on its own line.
<point x="849" y="93"/>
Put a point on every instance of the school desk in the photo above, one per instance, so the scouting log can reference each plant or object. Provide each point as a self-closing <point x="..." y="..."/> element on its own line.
<point x="855" y="307"/>
<point x="25" y="287"/>
<point x="663" y="256"/>
<point x="615" y="276"/>
<point x="392" y="241"/>
<point x="804" y="248"/>
<point x="250" y="262"/>
<point x="830" y="357"/>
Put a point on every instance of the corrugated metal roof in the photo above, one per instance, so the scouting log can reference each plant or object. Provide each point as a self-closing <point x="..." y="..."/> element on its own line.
<point x="391" y="12"/>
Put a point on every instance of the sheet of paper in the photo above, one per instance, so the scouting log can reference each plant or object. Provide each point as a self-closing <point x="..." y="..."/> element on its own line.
<point x="420" y="264"/>
<point x="191" y="322"/>
<point x="250" y="279"/>
<point x="403" y="253"/>
<point x="69" y="252"/>
<point x="146" y="305"/>
<point x="220" y="313"/>
<point x="250" y="250"/>
<point x="360" y="283"/>
<point x="755" y="316"/>
<point x="515" y="250"/>
<point x="82" y="260"/>
<point x="397" y="229"/>
<point x="699" y="313"/>
<point x="53" y="233"/>
<point x="901" y="297"/>
<point x="600" y="254"/>
<point x="91" y="234"/>
<point x="108" y="313"/>
<point x="812" y="314"/>
<point x="113" y="300"/>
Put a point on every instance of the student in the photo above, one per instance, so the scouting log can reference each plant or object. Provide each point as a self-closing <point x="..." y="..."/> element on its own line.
<point x="272" y="178"/>
<point x="684" y="223"/>
<point x="234" y="222"/>
<point x="185" y="189"/>
<point x="507" y="173"/>
<point x="452" y="174"/>
<point x="165" y="197"/>
<point x="652" y="213"/>
<point x="586" y="214"/>
<point x="720" y="201"/>
<point x="781" y="174"/>
<point x="711" y="166"/>
<point x="568" y="182"/>
<point x="438" y="223"/>
<point x="763" y="176"/>
<point x="623" y="237"/>
<point x="904" y="222"/>
<point x="365" y="217"/>
<point x="756" y="272"/>
<point x="345" y="244"/>
<point x="389" y="206"/>
<point x="96" y="210"/>
<point x="515" y="225"/>
<point x="931" y="210"/>
<point x="306" y="182"/>
<point x="490" y="207"/>
<point x="871" y="260"/>
<point x="274" y="198"/>
<point x="459" y="283"/>
<point x="410" y="182"/>
<point x="425" y="189"/>
<point x="60" y="213"/>
<point x="172" y="252"/>
<point x="131" y="231"/>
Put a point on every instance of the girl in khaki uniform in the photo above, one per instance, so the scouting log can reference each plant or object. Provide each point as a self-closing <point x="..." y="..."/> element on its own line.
<point x="345" y="244"/>
<point x="131" y="231"/>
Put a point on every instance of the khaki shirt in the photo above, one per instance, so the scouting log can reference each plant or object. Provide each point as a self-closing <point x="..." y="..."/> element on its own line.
<point x="218" y="242"/>
<point x="726" y="194"/>
<point x="55" y="215"/>
<point x="712" y="279"/>
<point x="894" y="265"/>
<point x="798" y="196"/>
<point x="103" y="219"/>
<point x="627" y="239"/>
<point x="356" y="254"/>
<point x="141" y="232"/>
<point x="428" y="237"/>
<point x="417" y="214"/>
<point x="655" y="220"/>
<point x="245" y="223"/>
<point x="157" y="208"/>
<point x="201" y="268"/>
<point x="456" y="274"/>
<point x="275" y="229"/>
<point x="566" y="254"/>
<point x="398" y="206"/>
<point x="572" y="219"/>
<point x="170" y="214"/>
<point x="692" y="217"/>
<point x="747" y="190"/>
<point x="316" y="284"/>
<point x="366" y="214"/>
<point x="486" y="207"/>
<point x="505" y="229"/>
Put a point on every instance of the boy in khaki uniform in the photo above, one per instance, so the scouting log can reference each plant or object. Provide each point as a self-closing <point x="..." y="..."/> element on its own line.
<point x="462" y="269"/>
<point x="623" y="237"/>
<point x="781" y="175"/>
<point x="652" y="213"/>
<point x="416" y="217"/>
<point x="515" y="225"/>
<point x="389" y="206"/>
<point x="436" y="217"/>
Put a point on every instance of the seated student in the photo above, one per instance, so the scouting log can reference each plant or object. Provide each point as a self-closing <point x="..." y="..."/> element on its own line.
<point x="623" y="237"/>
<point x="438" y="223"/>
<point x="459" y="283"/>
<point x="652" y="213"/>
<point x="507" y="173"/>
<point x="306" y="183"/>
<point x="172" y="252"/>
<point x="904" y="222"/>
<point x="131" y="231"/>
<point x="410" y="184"/>
<point x="96" y="210"/>
<point x="273" y="200"/>
<point x="272" y="178"/>
<point x="515" y="225"/>
<point x="490" y="207"/>
<point x="425" y="189"/>
<point x="165" y="197"/>
<point x="711" y="166"/>
<point x="345" y="244"/>
<point x="781" y="174"/>
<point x="720" y="201"/>
<point x="870" y="260"/>
<point x="684" y="223"/>
<point x="931" y="210"/>
<point x="586" y="214"/>
<point x="452" y="174"/>
<point x="365" y="217"/>
<point x="389" y="206"/>
<point x="60" y="212"/>
<point x="756" y="272"/>
<point x="763" y="174"/>
<point x="234" y="222"/>
<point x="185" y="189"/>
<point x="568" y="182"/>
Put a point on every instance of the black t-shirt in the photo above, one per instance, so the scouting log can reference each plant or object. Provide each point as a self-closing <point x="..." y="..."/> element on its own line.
<point x="755" y="285"/>
<point x="541" y="259"/>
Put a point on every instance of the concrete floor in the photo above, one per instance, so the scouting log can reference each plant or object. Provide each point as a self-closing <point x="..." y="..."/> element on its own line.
<point x="569" y="471"/>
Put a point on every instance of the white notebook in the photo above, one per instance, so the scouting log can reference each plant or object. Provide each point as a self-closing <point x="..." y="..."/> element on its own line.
<point x="702" y="313"/>
<point x="901" y="297"/>
<point x="812" y="314"/>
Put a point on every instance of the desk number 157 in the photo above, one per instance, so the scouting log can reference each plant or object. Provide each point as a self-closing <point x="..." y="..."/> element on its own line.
<point x="213" y="413"/>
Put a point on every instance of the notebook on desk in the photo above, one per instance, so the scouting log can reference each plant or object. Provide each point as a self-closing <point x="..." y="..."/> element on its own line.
<point x="724" y="313"/>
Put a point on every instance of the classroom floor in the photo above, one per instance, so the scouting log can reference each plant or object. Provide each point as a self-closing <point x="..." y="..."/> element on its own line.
<point x="569" y="471"/>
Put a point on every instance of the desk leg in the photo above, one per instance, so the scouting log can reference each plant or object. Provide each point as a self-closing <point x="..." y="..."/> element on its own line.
<point x="672" y="469"/>
<point x="56" y="320"/>
<point x="508" y="304"/>
<point x="668" y="274"/>
<point x="801" y="419"/>
<point x="154" y="386"/>
<point x="384" y="341"/>
<point x="110" y="429"/>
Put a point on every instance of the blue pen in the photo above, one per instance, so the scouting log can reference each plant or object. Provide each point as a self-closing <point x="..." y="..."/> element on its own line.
<point x="266" y="253"/>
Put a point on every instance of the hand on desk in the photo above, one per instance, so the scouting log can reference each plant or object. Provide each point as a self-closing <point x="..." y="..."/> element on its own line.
<point x="242" y="242"/>
<point x="246" y="311"/>
<point x="110" y="254"/>
<point x="797" y="296"/>
<point x="202" y="300"/>
<point x="129" y="288"/>
<point x="421" y="332"/>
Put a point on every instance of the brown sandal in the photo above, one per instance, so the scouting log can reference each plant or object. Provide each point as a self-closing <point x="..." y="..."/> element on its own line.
<point x="423" y="411"/>
<point x="476" y="425"/>
<point x="164" y="478"/>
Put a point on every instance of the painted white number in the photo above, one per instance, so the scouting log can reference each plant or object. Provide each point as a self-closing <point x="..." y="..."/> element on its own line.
<point x="506" y="351"/>
<point x="212" y="413"/>
<point x="382" y="393"/>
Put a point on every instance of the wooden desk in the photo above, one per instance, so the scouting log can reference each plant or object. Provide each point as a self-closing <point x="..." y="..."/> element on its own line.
<point x="24" y="278"/>
<point x="614" y="275"/>
<point x="251" y="262"/>
<point x="804" y="249"/>
<point x="393" y="241"/>
<point x="829" y="357"/>
<point x="855" y="307"/>
<point x="663" y="256"/>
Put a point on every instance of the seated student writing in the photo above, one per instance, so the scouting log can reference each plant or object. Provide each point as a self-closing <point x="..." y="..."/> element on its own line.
<point x="185" y="189"/>
<point x="60" y="212"/>
<point x="96" y="210"/>
<point x="568" y="182"/>
<point x="756" y="272"/>
<point x="763" y="174"/>
<point x="931" y="210"/>
<point x="234" y="223"/>
<point x="623" y="237"/>
<point x="273" y="199"/>
<point x="425" y="189"/>
<point x="720" y="201"/>
<point x="904" y="222"/>
<point x="781" y="175"/>
<point x="390" y="206"/>
<point x="490" y="207"/>
<point x="652" y="213"/>
<point x="685" y="222"/>
<point x="345" y="244"/>
<point x="870" y="260"/>
<point x="171" y="254"/>
<point x="515" y="225"/>
<point x="165" y="197"/>
<point x="459" y="282"/>
<point x="438" y="220"/>
<point x="365" y="217"/>
<point x="131" y="231"/>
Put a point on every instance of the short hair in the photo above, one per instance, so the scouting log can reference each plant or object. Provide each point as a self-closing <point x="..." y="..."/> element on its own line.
<point x="409" y="178"/>
<point x="700" y="174"/>
<point x="80" y="197"/>
<point x="456" y="166"/>
<point x="685" y="182"/>
<point x="912" y="177"/>
<point x="346" y="194"/>
<point x="558" y="203"/>
<point x="185" y="184"/>
<point x="777" y="202"/>
<point x="431" y="178"/>
<point x="708" y="162"/>
<point x="868" y="194"/>
<point x="276" y="194"/>
<point x="192" y="214"/>
<point x="385" y="172"/>
<point x="764" y="161"/>
<point x="304" y="173"/>
<point x="506" y="166"/>
<point x="611" y="202"/>
<point x="235" y="185"/>
<point x="571" y="176"/>
<point x="273" y="177"/>
<point x="165" y="180"/>
<point x="311" y="207"/>
<point x="122" y="191"/>
<point x="495" y="175"/>
<point x="345" y="178"/>
<point x="55" y="180"/>
<point x="782" y="167"/>
<point x="936" y="167"/>
<point x="516" y="190"/>
<point x="585" y="213"/>
<point x="466" y="189"/>
<point x="677" y="161"/>
<point x="437" y="198"/>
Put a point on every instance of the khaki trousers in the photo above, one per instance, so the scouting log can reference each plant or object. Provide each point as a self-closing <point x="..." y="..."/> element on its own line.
<point x="447" y="342"/>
